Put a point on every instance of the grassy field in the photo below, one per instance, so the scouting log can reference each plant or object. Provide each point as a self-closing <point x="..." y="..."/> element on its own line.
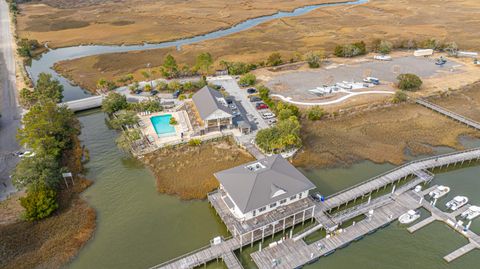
<point x="383" y="135"/>
<point x="395" y="20"/>
<point x="65" y="23"/>
<point x="188" y="171"/>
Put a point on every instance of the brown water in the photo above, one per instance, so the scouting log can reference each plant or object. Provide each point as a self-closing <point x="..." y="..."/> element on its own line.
<point x="138" y="228"/>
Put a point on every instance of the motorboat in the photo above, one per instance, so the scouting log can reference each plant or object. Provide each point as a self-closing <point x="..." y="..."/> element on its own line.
<point x="409" y="217"/>
<point x="471" y="213"/>
<point x="457" y="202"/>
<point x="439" y="192"/>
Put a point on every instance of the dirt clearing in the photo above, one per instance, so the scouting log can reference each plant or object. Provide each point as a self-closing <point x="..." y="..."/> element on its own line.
<point x="187" y="171"/>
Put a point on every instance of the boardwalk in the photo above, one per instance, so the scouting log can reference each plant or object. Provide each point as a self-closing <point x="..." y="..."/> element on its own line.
<point x="387" y="208"/>
<point x="448" y="113"/>
<point x="85" y="103"/>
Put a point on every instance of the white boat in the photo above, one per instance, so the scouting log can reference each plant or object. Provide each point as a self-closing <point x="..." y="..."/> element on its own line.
<point x="471" y="213"/>
<point x="409" y="217"/>
<point x="457" y="202"/>
<point x="439" y="192"/>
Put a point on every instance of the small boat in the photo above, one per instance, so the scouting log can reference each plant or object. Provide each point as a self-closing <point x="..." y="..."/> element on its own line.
<point x="439" y="192"/>
<point x="471" y="213"/>
<point x="457" y="202"/>
<point x="409" y="217"/>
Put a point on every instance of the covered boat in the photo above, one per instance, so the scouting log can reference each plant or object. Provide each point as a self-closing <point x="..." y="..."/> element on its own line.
<point x="439" y="192"/>
<point x="471" y="213"/>
<point x="409" y="217"/>
<point x="457" y="202"/>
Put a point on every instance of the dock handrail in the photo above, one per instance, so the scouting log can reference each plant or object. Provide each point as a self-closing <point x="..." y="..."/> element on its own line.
<point x="446" y="111"/>
<point x="403" y="166"/>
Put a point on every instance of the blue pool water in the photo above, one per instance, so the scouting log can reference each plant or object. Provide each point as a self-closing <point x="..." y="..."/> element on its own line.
<point x="162" y="126"/>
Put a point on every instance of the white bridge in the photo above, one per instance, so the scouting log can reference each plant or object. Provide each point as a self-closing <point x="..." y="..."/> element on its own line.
<point x="85" y="103"/>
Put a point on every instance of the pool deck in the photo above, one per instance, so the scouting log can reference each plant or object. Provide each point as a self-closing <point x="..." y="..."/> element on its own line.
<point x="183" y="126"/>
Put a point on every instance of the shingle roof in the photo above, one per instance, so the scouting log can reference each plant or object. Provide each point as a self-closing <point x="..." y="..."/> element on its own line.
<point x="253" y="189"/>
<point x="207" y="101"/>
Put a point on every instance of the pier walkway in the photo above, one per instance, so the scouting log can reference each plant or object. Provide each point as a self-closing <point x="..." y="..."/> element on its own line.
<point x="85" y="103"/>
<point x="387" y="208"/>
<point x="448" y="113"/>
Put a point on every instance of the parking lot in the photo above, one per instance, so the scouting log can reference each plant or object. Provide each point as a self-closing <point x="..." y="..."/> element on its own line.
<point x="296" y="84"/>
<point x="246" y="108"/>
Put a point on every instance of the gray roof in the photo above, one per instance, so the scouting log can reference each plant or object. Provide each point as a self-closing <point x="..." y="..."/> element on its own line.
<point x="252" y="189"/>
<point x="207" y="102"/>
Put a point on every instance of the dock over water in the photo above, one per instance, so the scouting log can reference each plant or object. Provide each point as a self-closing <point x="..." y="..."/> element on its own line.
<point x="379" y="212"/>
<point x="448" y="113"/>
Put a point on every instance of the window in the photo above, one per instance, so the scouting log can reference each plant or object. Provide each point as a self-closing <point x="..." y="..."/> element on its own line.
<point x="293" y="197"/>
<point x="300" y="195"/>
<point x="283" y="201"/>
<point x="262" y="209"/>
<point x="273" y="205"/>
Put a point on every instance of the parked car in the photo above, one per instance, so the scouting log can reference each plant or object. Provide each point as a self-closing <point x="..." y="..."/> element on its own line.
<point x="317" y="197"/>
<point x="272" y="121"/>
<point x="251" y="90"/>
<point x="229" y="100"/>
<point x="233" y="106"/>
<point x="177" y="93"/>
<point x="236" y="112"/>
<point x="154" y="92"/>
<point x="260" y="106"/>
<point x="268" y="115"/>
<point x="374" y="81"/>
<point x="138" y="91"/>
<point x="25" y="154"/>
<point x="255" y="99"/>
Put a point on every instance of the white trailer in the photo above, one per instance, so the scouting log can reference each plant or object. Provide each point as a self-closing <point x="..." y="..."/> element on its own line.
<point x="423" y="52"/>
<point x="467" y="54"/>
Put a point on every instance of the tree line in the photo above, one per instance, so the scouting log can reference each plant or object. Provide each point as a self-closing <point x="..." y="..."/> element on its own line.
<point x="49" y="131"/>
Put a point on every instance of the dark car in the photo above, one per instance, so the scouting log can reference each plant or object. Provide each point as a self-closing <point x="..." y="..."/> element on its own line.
<point x="154" y="92"/>
<point x="261" y="106"/>
<point x="138" y="91"/>
<point x="177" y="93"/>
<point x="255" y="99"/>
<point x="251" y="90"/>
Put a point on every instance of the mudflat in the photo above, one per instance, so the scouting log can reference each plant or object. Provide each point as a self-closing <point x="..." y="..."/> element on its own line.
<point x="65" y="23"/>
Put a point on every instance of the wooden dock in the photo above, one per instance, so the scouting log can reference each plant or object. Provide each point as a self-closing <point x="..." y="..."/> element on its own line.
<point x="295" y="253"/>
<point x="448" y="113"/>
<point x="460" y="252"/>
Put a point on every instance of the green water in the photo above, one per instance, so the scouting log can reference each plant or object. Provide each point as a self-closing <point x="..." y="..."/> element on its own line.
<point x="138" y="228"/>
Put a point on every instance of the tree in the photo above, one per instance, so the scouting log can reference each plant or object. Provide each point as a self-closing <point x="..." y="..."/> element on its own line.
<point x="174" y="85"/>
<point x="385" y="47"/>
<point x="283" y="136"/>
<point x="46" y="89"/>
<point x="39" y="203"/>
<point x="48" y="129"/>
<point x="105" y="85"/>
<point x="161" y="86"/>
<point x="248" y="79"/>
<point x="123" y="119"/>
<point x="409" y="82"/>
<point x="204" y="62"/>
<point x="399" y="97"/>
<point x="284" y="114"/>
<point x="315" y="113"/>
<point x="27" y="97"/>
<point x="114" y="102"/>
<point x="36" y="172"/>
<point x="26" y="47"/>
<point x="170" y="67"/>
<point x="350" y="50"/>
<point x="314" y="58"/>
<point x="147" y="87"/>
<point x="126" y="138"/>
<point x="173" y="121"/>
<point x="274" y="59"/>
<point x="195" y="142"/>
<point x="451" y="48"/>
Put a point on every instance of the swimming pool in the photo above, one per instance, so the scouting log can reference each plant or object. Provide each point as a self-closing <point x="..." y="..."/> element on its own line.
<point x="162" y="126"/>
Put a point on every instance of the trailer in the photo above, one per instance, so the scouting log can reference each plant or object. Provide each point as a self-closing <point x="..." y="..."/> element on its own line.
<point x="468" y="54"/>
<point x="423" y="52"/>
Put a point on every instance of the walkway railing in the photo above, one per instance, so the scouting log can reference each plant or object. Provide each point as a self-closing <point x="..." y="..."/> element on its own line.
<point x="448" y="113"/>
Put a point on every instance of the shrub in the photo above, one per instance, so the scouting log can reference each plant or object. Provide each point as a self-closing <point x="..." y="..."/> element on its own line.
<point x="351" y="50"/>
<point x="173" y="121"/>
<point x="315" y="113"/>
<point x="147" y="87"/>
<point x="284" y="135"/>
<point x="195" y="142"/>
<point x="385" y="47"/>
<point x="248" y="79"/>
<point x="399" y="97"/>
<point x="182" y="97"/>
<point x="409" y="82"/>
<point x="39" y="203"/>
<point x="274" y="59"/>
<point x="314" y="59"/>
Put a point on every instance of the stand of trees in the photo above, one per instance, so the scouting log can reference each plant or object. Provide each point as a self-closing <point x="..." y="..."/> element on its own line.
<point x="49" y="131"/>
<point x="409" y="82"/>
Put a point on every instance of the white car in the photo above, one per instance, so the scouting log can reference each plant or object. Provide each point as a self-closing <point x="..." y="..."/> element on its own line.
<point x="268" y="115"/>
<point x="382" y="57"/>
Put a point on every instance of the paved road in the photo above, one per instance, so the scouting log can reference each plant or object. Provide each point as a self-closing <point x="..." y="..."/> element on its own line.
<point x="9" y="110"/>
